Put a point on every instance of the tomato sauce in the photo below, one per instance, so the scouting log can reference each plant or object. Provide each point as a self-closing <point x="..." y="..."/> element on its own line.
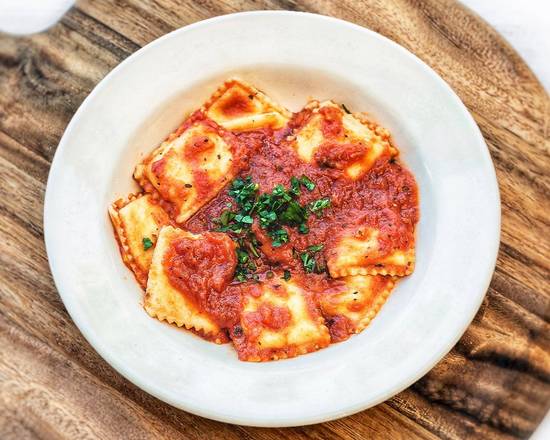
<point x="203" y="269"/>
<point x="339" y="328"/>
<point x="235" y="105"/>
<point x="385" y="198"/>
<point x="337" y="155"/>
<point x="331" y="126"/>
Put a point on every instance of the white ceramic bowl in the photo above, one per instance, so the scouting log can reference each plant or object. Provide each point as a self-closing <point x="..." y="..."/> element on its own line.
<point x="291" y="56"/>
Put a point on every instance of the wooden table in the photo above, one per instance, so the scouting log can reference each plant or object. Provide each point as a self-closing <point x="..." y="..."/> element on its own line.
<point x="495" y="383"/>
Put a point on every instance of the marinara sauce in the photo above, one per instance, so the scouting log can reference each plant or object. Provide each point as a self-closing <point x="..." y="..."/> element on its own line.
<point x="385" y="198"/>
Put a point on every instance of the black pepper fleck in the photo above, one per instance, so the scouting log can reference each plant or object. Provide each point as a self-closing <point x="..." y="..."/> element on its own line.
<point x="237" y="331"/>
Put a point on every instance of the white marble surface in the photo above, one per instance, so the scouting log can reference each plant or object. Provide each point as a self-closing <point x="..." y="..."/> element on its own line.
<point x="526" y="26"/>
<point x="22" y="17"/>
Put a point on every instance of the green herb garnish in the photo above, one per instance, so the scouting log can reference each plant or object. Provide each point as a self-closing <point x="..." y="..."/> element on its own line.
<point x="305" y="181"/>
<point x="308" y="262"/>
<point x="252" y="244"/>
<point x="147" y="243"/>
<point x="246" y="219"/>
<point x="318" y="205"/>
<point x="286" y="275"/>
<point x="303" y="229"/>
<point x="315" y="247"/>
<point x="244" y="192"/>
<point x="294" y="186"/>
<point x="279" y="236"/>
<point x="245" y="265"/>
<point x="275" y="212"/>
<point x="294" y="214"/>
<point x="280" y="208"/>
<point x="308" y="259"/>
<point x="226" y="217"/>
<point x="242" y="256"/>
<point x="267" y="218"/>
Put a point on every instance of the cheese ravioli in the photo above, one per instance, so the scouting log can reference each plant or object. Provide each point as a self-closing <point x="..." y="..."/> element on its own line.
<point x="238" y="106"/>
<point x="244" y="188"/>
<point x="278" y="320"/>
<point x="360" y="251"/>
<point x="355" y="303"/>
<point x="167" y="303"/>
<point x="191" y="166"/>
<point x="137" y="221"/>
<point x="334" y="138"/>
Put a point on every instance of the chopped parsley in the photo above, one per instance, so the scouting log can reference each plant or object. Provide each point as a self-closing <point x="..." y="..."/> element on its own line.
<point x="245" y="265"/>
<point x="275" y="212"/>
<point x="308" y="262"/>
<point x="267" y="218"/>
<point x="286" y="275"/>
<point x="315" y="248"/>
<point x="242" y="256"/>
<point x="306" y="181"/>
<point x="295" y="186"/>
<point x="226" y="217"/>
<point x="308" y="259"/>
<point x="296" y="183"/>
<point x="293" y="215"/>
<point x="147" y="243"/>
<point x="303" y="229"/>
<point x="242" y="190"/>
<point x="279" y="236"/>
<point x="318" y="205"/>
<point x="252" y="244"/>
<point x="246" y="219"/>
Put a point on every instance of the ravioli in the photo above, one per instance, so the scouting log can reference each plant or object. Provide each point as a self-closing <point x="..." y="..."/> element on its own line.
<point x="137" y="221"/>
<point x="238" y="106"/>
<point x="351" y="307"/>
<point x="191" y="166"/>
<point x="334" y="138"/>
<point x="166" y="302"/>
<point x="278" y="320"/>
<point x="204" y="238"/>
<point x="361" y="251"/>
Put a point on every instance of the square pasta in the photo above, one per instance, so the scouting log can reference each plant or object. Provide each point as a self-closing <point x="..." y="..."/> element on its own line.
<point x="363" y="250"/>
<point x="192" y="165"/>
<point x="334" y="138"/>
<point x="238" y="106"/>
<point x="351" y="306"/>
<point x="137" y="221"/>
<point x="278" y="320"/>
<point x="181" y="277"/>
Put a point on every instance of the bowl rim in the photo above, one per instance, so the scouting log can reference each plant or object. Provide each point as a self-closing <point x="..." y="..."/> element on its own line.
<point x="99" y="347"/>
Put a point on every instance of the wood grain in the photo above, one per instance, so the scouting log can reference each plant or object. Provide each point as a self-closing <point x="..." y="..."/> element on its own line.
<point x="495" y="383"/>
